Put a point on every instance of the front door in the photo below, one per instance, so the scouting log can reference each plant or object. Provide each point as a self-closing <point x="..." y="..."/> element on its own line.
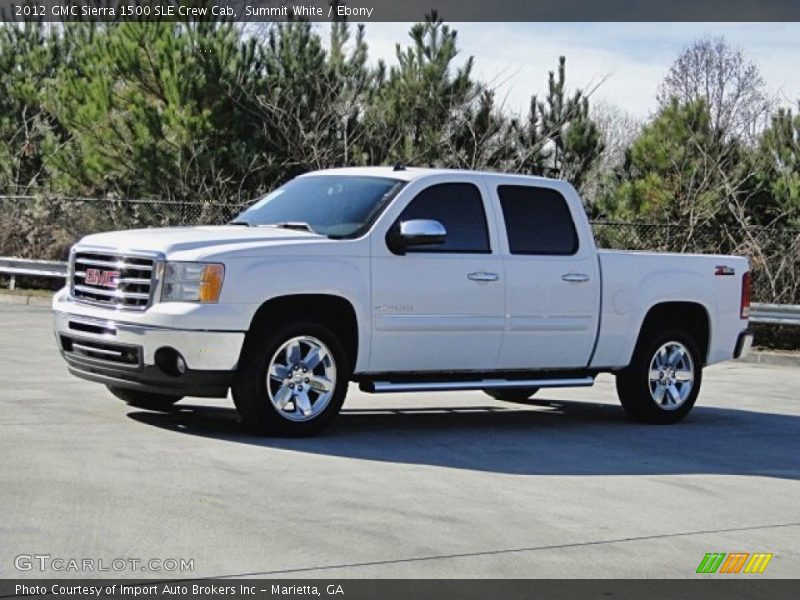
<point x="439" y="307"/>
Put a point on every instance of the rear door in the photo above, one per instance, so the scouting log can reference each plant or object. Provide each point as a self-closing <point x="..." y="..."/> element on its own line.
<point x="552" y="278"/>
<point x="438" y="307"/>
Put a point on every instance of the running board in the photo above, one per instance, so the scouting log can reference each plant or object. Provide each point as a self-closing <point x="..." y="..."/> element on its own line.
<point x="382" y="387"/>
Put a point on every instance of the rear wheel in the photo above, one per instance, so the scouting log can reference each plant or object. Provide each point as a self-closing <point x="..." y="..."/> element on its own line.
<point x="292" y="381"/>
<point x="146" y="400"/>
<point x="512" y="394"/>
<point x="663" y="380"/>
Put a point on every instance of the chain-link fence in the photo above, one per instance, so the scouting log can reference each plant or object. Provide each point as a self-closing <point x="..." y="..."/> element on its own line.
<point x="45" y="226"/>
<point x="774" y="253"/>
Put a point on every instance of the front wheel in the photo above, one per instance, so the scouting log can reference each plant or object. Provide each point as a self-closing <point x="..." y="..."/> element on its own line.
<point x="292" y="381"/>
<point x="663" y="380"/>
<point x="147" y="400"/>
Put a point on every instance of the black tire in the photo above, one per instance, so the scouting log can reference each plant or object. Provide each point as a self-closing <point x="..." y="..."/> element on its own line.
<point x="512" y="394"/>
<point x="253" y="399"/>
<point x="634" y="385"/>
<point x="147" y="400"/>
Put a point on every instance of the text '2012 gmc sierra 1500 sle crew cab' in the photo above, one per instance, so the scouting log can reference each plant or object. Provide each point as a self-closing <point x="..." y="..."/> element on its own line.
<point x="402" y="280"/>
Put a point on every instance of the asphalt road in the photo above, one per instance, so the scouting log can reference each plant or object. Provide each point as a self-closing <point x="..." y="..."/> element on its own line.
<point x="430" y="485"/>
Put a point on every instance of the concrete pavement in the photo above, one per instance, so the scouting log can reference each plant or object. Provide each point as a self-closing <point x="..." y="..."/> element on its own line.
<point x="430" y="485"/>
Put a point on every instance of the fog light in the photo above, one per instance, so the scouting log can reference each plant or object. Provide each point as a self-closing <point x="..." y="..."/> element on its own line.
<point x="170" y="361"/>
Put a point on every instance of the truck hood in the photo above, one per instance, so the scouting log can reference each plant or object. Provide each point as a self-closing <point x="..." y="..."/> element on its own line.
<point x="190" y="239"/>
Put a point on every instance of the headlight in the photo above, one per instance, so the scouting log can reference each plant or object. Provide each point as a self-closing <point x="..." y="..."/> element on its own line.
<point x="192" y="282"/>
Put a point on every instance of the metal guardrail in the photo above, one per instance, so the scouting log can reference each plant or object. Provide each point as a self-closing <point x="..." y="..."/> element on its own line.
<point x="773" y="314"/>
<point x="25" y="266"/>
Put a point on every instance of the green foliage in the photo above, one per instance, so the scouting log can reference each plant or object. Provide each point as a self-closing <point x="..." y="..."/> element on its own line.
<point x="213" y="112"/>
<point x="217" y="113"/>
<point x="778" y="170"/>
<point x="680" y="169"/>
<point x="156" y="109"/>
<point x="420" y="98"/>
<point x="559" y="139"/>
<point x="29" y="57"/>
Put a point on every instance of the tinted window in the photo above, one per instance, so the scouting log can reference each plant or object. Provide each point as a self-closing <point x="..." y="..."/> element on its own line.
<point x="538" y="221"/>
<point x="457" y="206"/>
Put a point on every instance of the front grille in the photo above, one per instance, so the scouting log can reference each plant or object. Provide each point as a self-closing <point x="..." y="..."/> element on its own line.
<point x="95" y="353"/>
<point x="115" y="280"/>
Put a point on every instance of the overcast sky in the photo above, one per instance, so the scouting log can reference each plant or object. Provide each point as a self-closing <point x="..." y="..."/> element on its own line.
<point x="631" y="57"/>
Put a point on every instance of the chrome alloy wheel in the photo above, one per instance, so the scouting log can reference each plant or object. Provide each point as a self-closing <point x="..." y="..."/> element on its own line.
<point x="671" y="376"/>
<point x="301" y="378"/>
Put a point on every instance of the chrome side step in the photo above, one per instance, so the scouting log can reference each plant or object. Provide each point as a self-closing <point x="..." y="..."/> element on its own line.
<point x="382" y="387"/>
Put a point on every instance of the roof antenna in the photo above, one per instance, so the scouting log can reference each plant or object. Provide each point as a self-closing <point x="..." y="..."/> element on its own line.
<point x="398" y="166"/>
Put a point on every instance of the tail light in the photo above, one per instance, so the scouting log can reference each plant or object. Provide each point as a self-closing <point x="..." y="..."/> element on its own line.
<point x="744" y="311"/>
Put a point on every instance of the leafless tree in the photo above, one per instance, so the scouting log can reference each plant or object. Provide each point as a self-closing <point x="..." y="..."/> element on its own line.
<point x="619" y="129"/>
<point x="731" y="85"/>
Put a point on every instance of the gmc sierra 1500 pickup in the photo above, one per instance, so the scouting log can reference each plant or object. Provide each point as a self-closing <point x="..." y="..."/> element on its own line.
<point x="401" y="280"/>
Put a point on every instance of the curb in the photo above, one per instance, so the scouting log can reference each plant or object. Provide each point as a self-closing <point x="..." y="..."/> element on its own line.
<point x="773" y="357"/>
<point x="25" y="300"/>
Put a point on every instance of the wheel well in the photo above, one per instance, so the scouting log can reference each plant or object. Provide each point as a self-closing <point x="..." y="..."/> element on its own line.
<point x="332" y="311"/>
<point x="686" y="316"/>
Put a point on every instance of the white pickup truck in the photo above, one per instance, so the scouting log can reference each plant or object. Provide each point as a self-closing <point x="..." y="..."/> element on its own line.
<point x="400" y="279"/>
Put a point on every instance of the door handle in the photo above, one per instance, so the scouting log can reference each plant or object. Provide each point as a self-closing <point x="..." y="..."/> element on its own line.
<point x="575" y="277"/>
<point x="483" y="277"/>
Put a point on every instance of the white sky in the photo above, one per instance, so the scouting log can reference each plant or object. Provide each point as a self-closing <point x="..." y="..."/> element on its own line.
<point x="632" y="57"/>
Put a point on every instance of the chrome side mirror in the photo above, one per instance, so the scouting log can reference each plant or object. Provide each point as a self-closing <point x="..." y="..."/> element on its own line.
<point x="417" y="232"/>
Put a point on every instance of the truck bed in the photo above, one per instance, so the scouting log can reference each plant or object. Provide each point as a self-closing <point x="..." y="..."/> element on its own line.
<point x="633" y="281"/>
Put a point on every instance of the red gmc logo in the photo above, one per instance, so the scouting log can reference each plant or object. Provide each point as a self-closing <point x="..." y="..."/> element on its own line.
<point x="101" y="278"/>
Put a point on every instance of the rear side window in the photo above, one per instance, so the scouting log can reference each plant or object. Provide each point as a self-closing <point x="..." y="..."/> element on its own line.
<point x="457" y="206"/>
<point x="537" y="220"/>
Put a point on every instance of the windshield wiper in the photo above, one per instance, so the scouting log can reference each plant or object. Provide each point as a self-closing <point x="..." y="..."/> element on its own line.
<point x="245" y="223"/>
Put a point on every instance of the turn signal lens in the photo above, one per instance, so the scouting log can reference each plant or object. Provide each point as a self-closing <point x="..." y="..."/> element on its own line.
<point x="211" y="283"/>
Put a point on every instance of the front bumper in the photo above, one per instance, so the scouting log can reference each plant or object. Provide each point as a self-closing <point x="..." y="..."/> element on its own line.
<point x="142" y="357"/>
<point x="743" y="344"/>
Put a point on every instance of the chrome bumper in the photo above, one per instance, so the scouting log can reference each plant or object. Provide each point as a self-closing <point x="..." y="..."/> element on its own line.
<point x="132" y="355"/>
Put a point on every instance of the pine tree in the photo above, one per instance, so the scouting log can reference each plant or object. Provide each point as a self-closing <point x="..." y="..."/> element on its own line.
<point x="30" y="55"/>
<point x="778" y="172"/>
<point x="559" y="138"/>
<point x="679" y="170"/>
<point x="155" y="109"/>
<point x="413" y="110"/>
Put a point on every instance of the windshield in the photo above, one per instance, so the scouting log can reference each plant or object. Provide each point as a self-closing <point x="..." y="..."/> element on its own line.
<point x="332" y="205"/>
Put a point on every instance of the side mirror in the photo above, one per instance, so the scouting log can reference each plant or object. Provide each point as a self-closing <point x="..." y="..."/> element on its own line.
<point x="417" y="232"/>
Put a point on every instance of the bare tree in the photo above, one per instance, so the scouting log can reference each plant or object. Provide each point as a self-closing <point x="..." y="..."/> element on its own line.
<point x="729" y="83"/>
<point x="619" y="129"/>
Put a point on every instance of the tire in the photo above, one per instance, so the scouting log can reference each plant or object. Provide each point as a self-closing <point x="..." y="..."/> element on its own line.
<point x="668" y="393"/>
<point x="289" y="403"/>
<point x="147" y="400"/>
<point x="512" y="394"/>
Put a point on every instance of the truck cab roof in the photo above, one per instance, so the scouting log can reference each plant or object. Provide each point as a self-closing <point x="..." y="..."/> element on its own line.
<point x="412" y="173"/>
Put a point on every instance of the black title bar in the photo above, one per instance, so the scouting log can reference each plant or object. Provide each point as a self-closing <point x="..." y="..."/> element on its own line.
<point x="400" y="10"/>
<point x="710" y="588"/>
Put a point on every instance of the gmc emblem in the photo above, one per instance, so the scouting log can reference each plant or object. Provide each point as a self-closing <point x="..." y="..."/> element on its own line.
<point x="101" y="278"/>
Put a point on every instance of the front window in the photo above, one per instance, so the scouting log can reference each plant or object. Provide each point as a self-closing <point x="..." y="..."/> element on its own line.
<point x="338" y="206"/>
<point x="459" y="208"/>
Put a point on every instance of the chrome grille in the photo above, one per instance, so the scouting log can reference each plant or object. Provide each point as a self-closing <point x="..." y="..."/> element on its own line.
<point x="114" y="280"/>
